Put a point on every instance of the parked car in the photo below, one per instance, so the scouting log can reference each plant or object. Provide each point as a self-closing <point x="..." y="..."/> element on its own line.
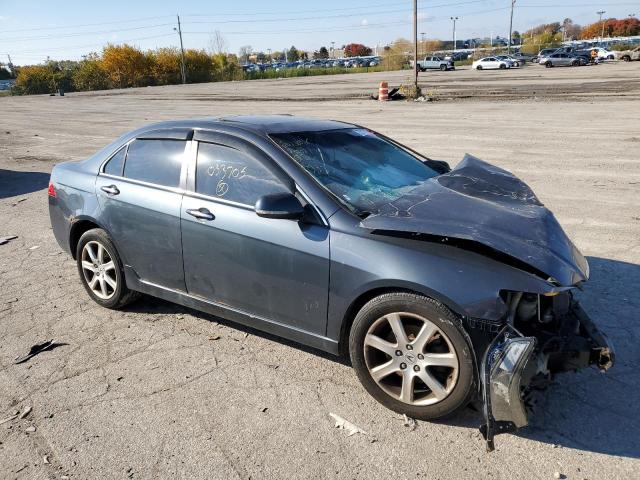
<point x="510" y="60"/>
<point x="584" y="53"/>
<point x="524" y="58"/>
<point x="319" y="232"/>
<point x="435" y="63"/>
<point x="604" y="54"/>
<point x="488" y="63"/>
<point x="561" y="60"/>
<point x="628" y="55"/>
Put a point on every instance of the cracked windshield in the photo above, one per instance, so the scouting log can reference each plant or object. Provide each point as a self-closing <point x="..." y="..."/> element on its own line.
<point x="363" y="170"/>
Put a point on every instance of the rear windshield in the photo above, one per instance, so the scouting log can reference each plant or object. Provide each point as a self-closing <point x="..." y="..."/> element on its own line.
<point x="363" y="170"/>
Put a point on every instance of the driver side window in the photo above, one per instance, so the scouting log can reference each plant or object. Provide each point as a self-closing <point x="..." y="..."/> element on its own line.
<point x="229" y="174"/>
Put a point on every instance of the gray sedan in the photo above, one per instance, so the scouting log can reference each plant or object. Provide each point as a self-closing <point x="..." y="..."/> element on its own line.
<point x="441" y="285"/>
<point x="560" y="59"/>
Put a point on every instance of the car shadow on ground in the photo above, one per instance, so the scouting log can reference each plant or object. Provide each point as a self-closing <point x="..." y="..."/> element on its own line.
<point x="588" y="410"/>
<point x="14" y="183"/>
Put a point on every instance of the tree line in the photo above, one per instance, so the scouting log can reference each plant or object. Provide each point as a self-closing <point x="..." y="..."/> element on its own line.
<point x="121" y="66"/>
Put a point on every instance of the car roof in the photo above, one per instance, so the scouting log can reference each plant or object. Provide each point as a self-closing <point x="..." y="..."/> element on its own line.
<point x="260" y="124"/>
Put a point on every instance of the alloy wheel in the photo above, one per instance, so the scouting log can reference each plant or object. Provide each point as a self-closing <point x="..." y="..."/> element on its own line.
<point x="99" y="270"/>
<point x="411" y="359"/>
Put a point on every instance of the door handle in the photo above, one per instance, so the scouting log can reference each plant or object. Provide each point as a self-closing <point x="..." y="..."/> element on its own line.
<point x="201" y="213"/>
<point x="110" y="190"/>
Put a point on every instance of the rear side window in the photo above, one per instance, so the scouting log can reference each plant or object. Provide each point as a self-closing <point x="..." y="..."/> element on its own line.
<point x="116" y="163"/>
<point x="227" y="173"/>
<point x="155" y="161"/>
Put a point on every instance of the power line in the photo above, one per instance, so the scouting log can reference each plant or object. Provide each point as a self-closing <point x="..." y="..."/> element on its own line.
<point x="79" y="34"/>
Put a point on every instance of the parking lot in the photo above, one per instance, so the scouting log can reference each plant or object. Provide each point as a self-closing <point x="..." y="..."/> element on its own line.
<point x="158" y="390"/>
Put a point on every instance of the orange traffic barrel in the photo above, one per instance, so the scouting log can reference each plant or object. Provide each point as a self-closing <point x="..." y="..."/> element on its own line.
<point x="383" y="92"/>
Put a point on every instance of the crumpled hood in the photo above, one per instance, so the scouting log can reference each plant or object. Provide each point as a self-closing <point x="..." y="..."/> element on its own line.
<point x="479" y="202"/>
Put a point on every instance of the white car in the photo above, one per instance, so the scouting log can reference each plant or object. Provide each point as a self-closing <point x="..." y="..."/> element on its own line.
<point x="489" y="63"/>
<point x="604" y="54"/>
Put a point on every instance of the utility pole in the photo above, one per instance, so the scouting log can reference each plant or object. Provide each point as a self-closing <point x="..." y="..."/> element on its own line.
<point x="513" y="2"/>
<point x="183" y="70"/>
<point x="10" y="65"/>
<point x="454" y="32"/>
<point x="415" y="46"/>
<point x="600" y="13"/>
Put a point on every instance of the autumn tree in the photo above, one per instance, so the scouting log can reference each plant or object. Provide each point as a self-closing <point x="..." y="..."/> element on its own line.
<point x="198" y="65"/>
<point x="612" y="28"/>
<point x="165" y="66"/>
<point x="33" y="80"/>
<point x="356" y="50"/>
<point x="90" y="74"/>
<point x="126" y="66"/>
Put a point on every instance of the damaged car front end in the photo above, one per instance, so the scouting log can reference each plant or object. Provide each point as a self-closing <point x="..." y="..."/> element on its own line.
<point x="543" y="335"/>
<point x="531" y="335"/>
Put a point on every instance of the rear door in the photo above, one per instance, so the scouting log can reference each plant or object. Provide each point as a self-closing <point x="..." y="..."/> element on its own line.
<point x="275" y="269"/>
<point x="140" y="192"/>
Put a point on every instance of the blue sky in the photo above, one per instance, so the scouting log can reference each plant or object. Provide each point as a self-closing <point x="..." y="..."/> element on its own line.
<point x="32" y="30"/>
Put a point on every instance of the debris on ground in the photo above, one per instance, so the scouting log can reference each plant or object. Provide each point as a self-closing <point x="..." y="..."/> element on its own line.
<point x="26" y="411"/>
<point x="394" y="94"/>
<point x="7" y="239"/>
<point x="558" y="475"/>
<point x="264" y="409"/>
<point x="214" y="337"/>
<point x="45" y="460"/>
<point x="410" y="422"/>
<point x="343" y="424"/>
<point x="38" y="348"/>
<point x="30" y="429"/>
<point x="20" y="200"/>
<point x="8" y="419"/>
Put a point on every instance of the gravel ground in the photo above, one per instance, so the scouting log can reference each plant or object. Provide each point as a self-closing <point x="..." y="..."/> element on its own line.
<point x="159" y="391"/>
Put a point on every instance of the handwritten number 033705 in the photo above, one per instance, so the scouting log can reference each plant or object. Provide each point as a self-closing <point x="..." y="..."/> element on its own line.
<point x="225" y="172"/>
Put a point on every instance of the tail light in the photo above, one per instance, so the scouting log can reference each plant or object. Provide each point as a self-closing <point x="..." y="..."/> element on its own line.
<point x="52" y="190"/>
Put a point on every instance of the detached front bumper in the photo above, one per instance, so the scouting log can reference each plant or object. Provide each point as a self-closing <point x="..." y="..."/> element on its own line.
<point x="513" y="361"/>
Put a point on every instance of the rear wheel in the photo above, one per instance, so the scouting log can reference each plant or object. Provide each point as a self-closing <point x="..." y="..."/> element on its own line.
<point x="502" y="66"/>
<point x="412" y="355"/>
<point x="626" y="58"/>
<point x="575" y="63"/>
<point x="548" y="64"/>
<point x="479" y="67"/>
<point x="443" y="67"/>
<point x="101" y="271"/>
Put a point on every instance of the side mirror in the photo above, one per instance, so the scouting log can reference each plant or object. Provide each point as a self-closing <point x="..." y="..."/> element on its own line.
<point x="279" y="205"/>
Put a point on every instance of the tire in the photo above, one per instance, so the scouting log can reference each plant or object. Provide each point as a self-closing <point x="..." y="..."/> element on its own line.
<point x="502" y="66"/>
<point x="109" y="289"/>
<point x="548" y="65"/>
<point x="626" y="58"/>
<point x="446" y="388"/>
<point x="479" y="67"/>
<point x="443" y="68"/>
<point x="575" y="63"/>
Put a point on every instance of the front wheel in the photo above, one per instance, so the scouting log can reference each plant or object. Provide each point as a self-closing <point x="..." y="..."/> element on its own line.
<point x="502" y="66"/>
<point x="412" y="355"/>
<point x="443" y="67"/>
<point x="479" y="67"/>
<point x="626" y="58"/>
<point x="101" y="271"/>
<point x="548" y="64"/>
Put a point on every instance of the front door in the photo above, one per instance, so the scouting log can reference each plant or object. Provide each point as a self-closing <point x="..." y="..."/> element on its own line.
<point x="272" y="268"/>
<point x="139" y="195"/>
